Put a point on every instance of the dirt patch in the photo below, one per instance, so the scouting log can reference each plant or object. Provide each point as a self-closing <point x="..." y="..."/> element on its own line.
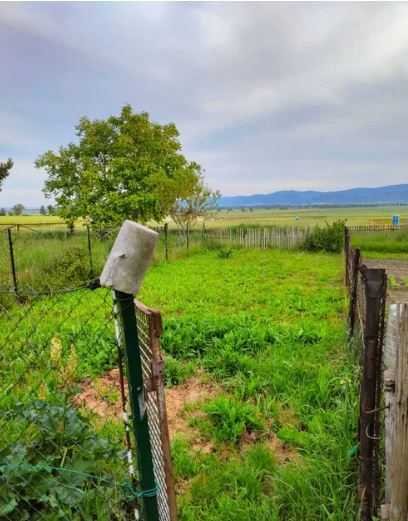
<point x="397" y="272"/>
<point x="179" y="402"/>
<point x="282" y="451"/>
<point x="102" y="397"/>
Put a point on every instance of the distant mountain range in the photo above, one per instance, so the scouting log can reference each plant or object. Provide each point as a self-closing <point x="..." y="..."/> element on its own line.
<point x="393" y="194"/>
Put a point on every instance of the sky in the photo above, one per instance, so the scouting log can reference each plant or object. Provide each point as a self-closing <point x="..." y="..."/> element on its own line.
<point x="266" y="96"/>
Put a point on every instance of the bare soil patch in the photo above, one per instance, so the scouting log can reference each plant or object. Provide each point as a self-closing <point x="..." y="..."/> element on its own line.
<point x="102" y="397"/>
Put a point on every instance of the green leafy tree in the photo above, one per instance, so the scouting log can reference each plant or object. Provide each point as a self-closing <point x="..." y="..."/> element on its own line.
<point x="43" y="211"/>
<point x="50" y="209"/>
<point x="18" y="209"/>
<point x="115" y="170"/>
<point x="5" y="168"/>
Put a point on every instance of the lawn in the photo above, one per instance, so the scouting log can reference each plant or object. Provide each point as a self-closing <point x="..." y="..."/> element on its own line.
<point x="272" y="433"/>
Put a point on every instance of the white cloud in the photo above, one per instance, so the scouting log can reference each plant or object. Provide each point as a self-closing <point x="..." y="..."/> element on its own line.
<point x="267" y="95"/>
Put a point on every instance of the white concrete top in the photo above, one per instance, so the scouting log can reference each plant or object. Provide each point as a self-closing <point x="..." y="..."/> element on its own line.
<point x="129" y="258"/>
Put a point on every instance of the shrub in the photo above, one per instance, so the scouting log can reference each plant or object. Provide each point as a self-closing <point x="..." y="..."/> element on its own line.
<point x="224" y="253"/>
<point x="34" y="484"/>
<point x="327" y="238"/>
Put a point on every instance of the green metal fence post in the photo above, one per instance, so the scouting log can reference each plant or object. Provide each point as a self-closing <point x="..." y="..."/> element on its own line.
<point x="139" y="419"/>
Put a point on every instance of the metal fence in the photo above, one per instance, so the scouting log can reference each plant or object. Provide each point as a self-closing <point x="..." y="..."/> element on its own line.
<point x="64" y="374"/>
<point x="50" y="257"/>
<point x="383" y="352"/>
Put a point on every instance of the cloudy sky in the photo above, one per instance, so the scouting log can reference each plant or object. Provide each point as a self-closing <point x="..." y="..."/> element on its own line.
<point x="266" y="96"/>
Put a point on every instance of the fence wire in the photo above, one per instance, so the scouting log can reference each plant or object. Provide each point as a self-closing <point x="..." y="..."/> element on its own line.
<point x="59" y="458"/>
<point x="149" y="331"/>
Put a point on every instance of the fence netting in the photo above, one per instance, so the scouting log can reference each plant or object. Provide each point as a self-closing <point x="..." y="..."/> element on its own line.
<point x="66" y="445"/>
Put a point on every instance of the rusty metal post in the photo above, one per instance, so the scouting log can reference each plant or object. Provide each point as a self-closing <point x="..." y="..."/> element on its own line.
<point x="375" y="290"/>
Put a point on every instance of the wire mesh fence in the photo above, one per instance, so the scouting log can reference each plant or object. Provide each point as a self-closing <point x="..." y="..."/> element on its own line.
<point x="57" y="461"/>
<point x="65" y="452"/>
<point x="53" y="257"/>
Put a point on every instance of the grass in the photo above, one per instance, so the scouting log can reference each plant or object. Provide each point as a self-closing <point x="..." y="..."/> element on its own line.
<point x="275" y="216"/>
<point x="382" y="245"/>
<point x="267" y="328"/>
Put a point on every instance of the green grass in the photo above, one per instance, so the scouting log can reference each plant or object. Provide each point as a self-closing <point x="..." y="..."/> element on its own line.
<point x="267" y="328"/>
<point x="382" y="245"/>
<point x="264" y="217"/>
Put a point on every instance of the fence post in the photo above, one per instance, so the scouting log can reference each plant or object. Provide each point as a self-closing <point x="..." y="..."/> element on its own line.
<point x="91" y="267"/>
<point x="346" y="246"/>
<point x="396" y="440"/>
<point x="166" y="245"/>
<point x="188" y="235"/>
<point x="355" y="263"/>
<point x="127" y="314"/>
<point x="375" y="291"/>
<point x="12" y="261"/>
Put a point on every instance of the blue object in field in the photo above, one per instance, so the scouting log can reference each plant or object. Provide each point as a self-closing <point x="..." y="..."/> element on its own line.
<point x="395" y="220"/>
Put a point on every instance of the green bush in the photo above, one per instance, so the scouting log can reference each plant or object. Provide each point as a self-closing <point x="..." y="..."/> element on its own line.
<point x="61" y="470"/>
<point x="326" y="238"/>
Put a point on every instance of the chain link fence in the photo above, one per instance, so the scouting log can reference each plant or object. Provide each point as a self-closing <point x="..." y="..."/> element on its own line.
<point x="52" y="257"/>
<point x="67" y="428"/>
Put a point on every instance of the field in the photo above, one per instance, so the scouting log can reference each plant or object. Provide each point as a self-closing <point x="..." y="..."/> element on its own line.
<point x="262" y="393"/>
<point x="264" y="217"/>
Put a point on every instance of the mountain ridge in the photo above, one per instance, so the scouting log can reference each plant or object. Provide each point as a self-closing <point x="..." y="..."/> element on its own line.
<point x="389" y="194"/>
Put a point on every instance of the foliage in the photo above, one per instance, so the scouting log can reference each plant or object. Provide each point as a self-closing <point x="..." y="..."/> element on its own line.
<point x="224" y="253"/>
<point x="5" y="168"/>
<point x="328" y="238"/>
<point x="119" y="169"/>
<point x="18" y="209"/>
<point x="60" y="470"/>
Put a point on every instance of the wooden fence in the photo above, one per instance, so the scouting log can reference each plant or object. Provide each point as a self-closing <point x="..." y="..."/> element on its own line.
<point x="383" y="421"/>
<point x="266" y="237"/>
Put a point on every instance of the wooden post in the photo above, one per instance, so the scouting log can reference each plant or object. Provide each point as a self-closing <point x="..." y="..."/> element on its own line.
<point x="346" y="247"/>
<point x="353" y="291"/>
<point x="375" y="291"/>
<point x="188" y="235"/>
<point x="166" y="244"/>
<point x="398" y="471"/>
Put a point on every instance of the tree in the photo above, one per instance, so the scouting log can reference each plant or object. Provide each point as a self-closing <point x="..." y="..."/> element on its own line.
<point x="50" y="209"/>
<point x="18" y="209"/>
<point x="43" y="211"/>
<point x="5" y="168"/>
<point x="3" y="211"/>
<point x="113" y="172"/>
<point x="199" y="203"/>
